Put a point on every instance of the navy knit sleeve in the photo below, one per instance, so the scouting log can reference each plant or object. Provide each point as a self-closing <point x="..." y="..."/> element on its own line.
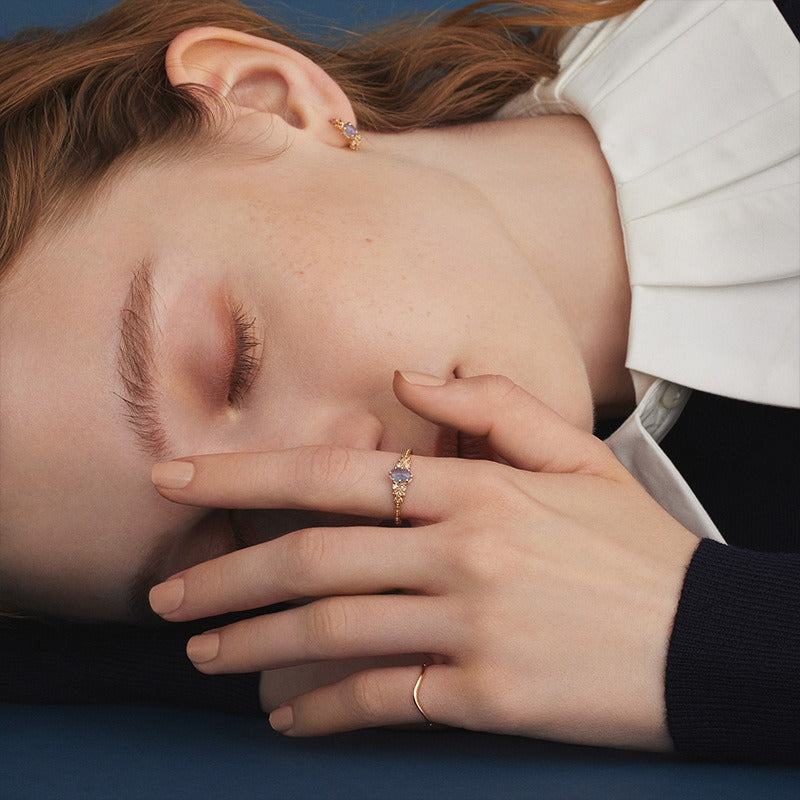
<point x="733" y="668"/>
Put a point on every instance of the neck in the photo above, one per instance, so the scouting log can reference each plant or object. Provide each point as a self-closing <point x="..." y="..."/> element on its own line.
<point x="549" y="184"/>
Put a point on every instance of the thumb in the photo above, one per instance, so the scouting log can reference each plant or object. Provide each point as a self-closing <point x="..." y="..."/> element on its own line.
<point x="519" y="428"/>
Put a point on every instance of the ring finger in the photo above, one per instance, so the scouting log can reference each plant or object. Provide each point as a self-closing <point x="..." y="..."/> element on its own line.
<point x="327" y="629"/>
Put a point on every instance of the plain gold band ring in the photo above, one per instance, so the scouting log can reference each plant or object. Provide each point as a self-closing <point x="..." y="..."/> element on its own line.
<point x="416" y="696"/>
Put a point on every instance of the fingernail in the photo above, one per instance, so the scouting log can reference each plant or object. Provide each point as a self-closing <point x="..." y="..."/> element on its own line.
<point x="172" y="474"/>
<point x="422" y="378"/>
<point x="282" y="719"/>
<point x="167" y="596"/>
<point x="203" y="648"/>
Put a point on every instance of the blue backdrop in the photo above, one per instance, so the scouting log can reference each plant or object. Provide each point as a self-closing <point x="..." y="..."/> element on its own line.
<point x="309" y="15"/>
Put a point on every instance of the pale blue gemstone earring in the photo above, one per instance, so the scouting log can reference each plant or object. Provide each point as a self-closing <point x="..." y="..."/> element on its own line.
<point x="349" y="131"/>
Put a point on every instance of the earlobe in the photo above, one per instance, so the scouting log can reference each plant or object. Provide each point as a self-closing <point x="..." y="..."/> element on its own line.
<point x="259" y="75"/>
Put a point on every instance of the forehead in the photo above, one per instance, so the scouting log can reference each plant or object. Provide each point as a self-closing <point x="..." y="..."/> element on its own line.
<point x="75" y="493"/>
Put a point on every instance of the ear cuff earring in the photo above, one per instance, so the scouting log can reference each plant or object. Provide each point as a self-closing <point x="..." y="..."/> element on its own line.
<point x="349" y="131"/>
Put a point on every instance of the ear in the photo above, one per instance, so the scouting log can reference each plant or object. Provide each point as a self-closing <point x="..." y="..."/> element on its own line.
<point x="262" y="76"/>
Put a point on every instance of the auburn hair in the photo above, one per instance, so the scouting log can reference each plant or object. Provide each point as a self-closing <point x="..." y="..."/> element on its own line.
<point x="75" y="104"/>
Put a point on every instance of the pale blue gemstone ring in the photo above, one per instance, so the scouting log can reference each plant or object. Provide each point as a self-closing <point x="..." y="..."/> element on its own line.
<point x="401" y="476"/>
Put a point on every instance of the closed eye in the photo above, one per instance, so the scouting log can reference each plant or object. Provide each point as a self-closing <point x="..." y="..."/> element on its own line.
<point x="246" y="359"/>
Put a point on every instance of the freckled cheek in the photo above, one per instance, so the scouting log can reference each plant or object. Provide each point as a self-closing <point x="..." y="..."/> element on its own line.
<point x="366" y="306"/>
<point x="354" y="349"/>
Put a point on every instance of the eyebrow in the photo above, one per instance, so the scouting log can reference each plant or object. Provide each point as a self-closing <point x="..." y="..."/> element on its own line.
<point x="136" y="364"/>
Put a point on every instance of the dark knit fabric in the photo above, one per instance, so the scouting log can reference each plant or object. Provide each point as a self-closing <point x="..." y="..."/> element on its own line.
<point x="742" y="460"/>
<point x="733" y="670"/>
<point x="60" y="662"/>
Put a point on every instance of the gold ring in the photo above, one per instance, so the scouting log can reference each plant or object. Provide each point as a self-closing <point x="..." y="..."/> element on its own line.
<point x="401" y="476"/>
<point x="416" y="697"/>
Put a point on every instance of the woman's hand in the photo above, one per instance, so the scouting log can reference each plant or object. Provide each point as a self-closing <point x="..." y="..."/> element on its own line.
<point x="542" y="590"/>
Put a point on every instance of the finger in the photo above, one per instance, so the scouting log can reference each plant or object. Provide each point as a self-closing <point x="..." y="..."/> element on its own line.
<point x="277" y="686"/>
<point x="314" y="562"/>
<point x="321" y="478"/>
<point x="520" y="428"/>
<point x="370" y="699"/>
<point x="327" y="629"/>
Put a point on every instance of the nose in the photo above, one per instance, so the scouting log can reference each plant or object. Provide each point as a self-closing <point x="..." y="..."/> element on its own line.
<point x="313" y="424"/>
<point x="332" y="424"/>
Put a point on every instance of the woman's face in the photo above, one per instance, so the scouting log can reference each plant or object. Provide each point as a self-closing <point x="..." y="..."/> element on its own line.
<point x="269" y="301"/>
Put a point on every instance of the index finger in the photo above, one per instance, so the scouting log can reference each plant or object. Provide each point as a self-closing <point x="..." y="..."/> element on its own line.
<point x="321" y="478"/>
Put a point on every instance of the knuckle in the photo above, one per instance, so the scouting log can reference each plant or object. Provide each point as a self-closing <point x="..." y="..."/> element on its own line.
<point x="486" y="552"/>
<point x="328" y="626"/>
<point x="494" y="481"/>
<point x="305" y="557"/>
<point x="506" y="397"/>
<point x="482" y="690"/>
<point x="490" y="483"/>
<point x="367" y="698"/>
<point x="209" y="586"/>
<point x="499" y="388"/>
<point x="327" y="464"/>
<point x="479" y="557"/>
<point x="491" y="694"/>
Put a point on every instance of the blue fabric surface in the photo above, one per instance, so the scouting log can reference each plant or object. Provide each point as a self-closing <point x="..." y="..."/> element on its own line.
<point x="110" y="752"/>
<point x="312" y="16"/>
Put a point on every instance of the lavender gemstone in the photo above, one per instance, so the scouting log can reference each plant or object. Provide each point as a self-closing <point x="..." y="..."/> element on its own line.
<point x="349" y="129"/>
<point x="399" y="475"/>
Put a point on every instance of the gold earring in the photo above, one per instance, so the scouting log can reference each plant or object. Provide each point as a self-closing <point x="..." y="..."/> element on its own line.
<point x="349" y="131"/>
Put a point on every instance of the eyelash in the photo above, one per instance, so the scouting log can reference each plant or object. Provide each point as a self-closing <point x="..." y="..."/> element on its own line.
<point x="246" y="362"/>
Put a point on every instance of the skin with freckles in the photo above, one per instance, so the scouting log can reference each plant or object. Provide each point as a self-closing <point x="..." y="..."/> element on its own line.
<point x="429" y="250"/>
